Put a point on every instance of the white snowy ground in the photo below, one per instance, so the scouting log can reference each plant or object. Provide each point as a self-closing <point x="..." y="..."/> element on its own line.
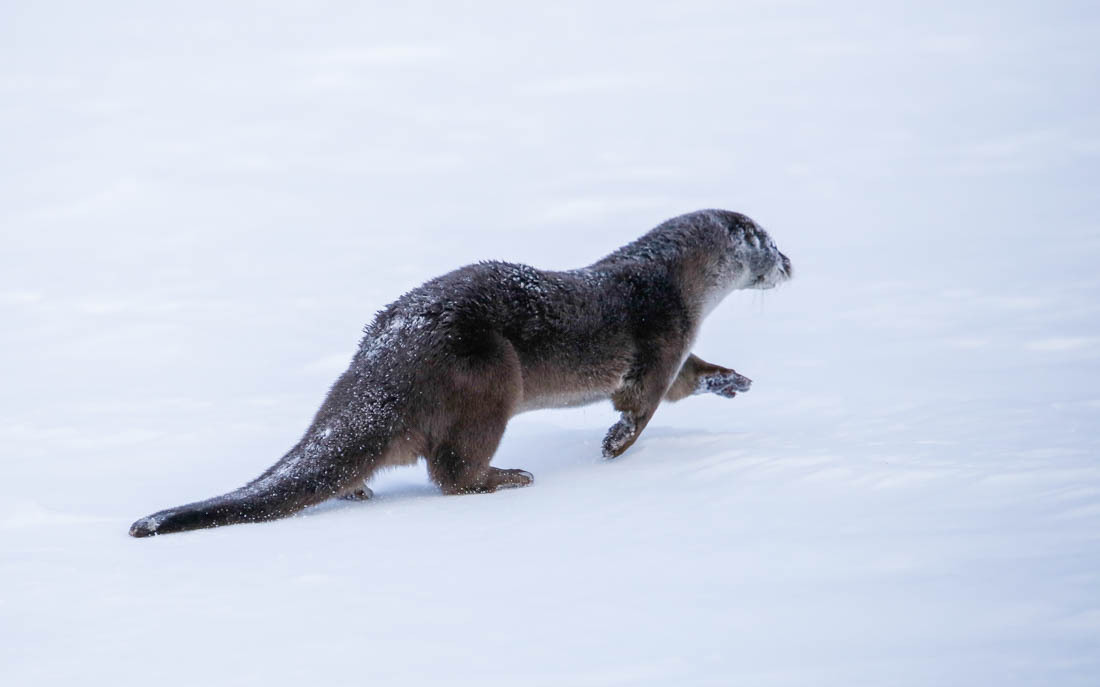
<point x="202" y="205"/>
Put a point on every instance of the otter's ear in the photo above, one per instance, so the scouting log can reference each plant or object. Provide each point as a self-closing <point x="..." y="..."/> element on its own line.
<point x="747" y="233"/>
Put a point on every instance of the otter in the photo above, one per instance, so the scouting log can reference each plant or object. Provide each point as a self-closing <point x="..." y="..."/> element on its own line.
<point x="441" y="370"/>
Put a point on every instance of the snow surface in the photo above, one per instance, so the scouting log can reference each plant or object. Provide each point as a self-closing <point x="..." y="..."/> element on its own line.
<point x="203" y="203"/>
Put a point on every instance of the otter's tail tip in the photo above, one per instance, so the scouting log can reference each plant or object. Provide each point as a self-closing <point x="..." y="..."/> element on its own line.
<point x="145" y="527"/>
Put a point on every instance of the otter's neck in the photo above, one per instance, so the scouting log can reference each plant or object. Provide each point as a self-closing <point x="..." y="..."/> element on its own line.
<point x="671" y="259"/>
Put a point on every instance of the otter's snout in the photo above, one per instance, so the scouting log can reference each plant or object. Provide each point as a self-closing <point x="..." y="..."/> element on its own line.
<point x="786" y="265"/>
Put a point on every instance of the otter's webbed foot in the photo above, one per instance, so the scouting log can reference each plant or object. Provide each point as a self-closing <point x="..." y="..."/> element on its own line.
<point x="501" y="478"/>
<point x="621" y="435"/>
<point x="726" y="383"/>
<point x="360" y="494"/>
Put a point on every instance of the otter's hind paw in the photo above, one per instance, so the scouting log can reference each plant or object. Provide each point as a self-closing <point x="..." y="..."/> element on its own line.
<point x="511" y="478"/>
<point x="361" y="494"/>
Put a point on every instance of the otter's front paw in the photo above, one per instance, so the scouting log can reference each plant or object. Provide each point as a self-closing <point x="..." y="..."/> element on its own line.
<point x="619" y="437"/>
<point x="724" y="384"/>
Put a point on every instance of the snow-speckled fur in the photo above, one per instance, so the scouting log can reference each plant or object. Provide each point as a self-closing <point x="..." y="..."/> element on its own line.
<point x="441" y="370"/>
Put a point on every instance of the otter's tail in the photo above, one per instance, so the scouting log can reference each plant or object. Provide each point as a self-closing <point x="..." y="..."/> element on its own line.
<point x="286" y="488"/>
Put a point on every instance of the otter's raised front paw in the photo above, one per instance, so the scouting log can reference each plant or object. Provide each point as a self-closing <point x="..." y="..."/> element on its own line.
<point x="724" y="384"/>
<point x="619" y="437"/>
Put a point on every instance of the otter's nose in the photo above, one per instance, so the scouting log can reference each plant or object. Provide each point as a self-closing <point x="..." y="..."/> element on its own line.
<point x="786" y="266"/>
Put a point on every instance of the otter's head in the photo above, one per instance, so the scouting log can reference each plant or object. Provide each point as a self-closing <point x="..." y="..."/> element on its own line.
<point x="726" y="252"/>
<point x="716" y="251"/>
<point x="752" y="259"/>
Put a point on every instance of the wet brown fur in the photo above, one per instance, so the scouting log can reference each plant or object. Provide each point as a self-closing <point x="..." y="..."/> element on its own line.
<point x="442" y="370"/>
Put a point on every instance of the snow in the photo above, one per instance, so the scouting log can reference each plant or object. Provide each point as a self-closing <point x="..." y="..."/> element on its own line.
<point x="200" y="209"/>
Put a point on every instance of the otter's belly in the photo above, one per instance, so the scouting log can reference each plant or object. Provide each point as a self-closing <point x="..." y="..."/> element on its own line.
<point x="562" y="399"/>
<point x="559" y="386"/>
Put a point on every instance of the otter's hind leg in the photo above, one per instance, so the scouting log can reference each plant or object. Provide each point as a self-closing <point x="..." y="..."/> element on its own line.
<point x="459" y="474"/>
<point x="460" y="465"/>
<point x="483" y="394"/>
